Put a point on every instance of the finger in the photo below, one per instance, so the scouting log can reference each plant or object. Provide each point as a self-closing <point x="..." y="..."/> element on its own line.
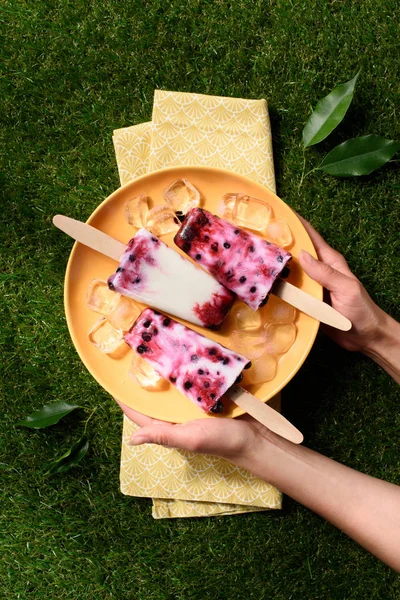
<point x="167" y="434"/>
<point x="330" y="278"/>
<point x="137" y="417"/>
<point x="324" y="251"/>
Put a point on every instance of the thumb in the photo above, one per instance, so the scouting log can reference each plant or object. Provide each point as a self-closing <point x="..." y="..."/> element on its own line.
<point x="327" y="276"/>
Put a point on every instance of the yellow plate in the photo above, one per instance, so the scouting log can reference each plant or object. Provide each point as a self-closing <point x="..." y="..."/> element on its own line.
<point x="85" y="264"/>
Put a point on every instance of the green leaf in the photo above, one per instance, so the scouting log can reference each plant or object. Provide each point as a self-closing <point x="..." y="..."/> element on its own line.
<point x="359" y="156"/>
<point x="328" y="113"/>
<point x="49" y="414"/>
<point x="71" y="458"/>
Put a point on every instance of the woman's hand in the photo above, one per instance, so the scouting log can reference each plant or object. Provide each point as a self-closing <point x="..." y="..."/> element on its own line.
<point x="347" y="294"/>
<point x="233" y="439"/>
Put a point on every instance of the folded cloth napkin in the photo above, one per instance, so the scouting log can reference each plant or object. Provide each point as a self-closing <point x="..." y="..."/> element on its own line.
<point x="229" y="133"/>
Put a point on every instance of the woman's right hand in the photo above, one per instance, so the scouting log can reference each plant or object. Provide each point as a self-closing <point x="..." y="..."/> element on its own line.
<point x="347" y="295"/>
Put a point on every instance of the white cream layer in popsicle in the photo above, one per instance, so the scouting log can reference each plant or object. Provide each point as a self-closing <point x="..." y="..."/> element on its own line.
<point x="153" y="273"/>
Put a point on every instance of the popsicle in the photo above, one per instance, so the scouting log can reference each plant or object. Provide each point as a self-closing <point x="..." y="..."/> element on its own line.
<point x="153" y="273"/>
<point x="200" y="368"/>
<point x="243" y="262"/>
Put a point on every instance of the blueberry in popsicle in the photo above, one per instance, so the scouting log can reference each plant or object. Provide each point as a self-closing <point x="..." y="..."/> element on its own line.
<point x="153" y="273"/>
<point x="200" y="368"/>
<point x="243" y="262"/>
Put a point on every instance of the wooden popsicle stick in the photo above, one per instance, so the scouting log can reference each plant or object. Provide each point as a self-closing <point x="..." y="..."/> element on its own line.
<point x="264" y="414"/>
<point x="105" y="244"/>
<point x="310" y="306"/>
<point x="90" y="236"/>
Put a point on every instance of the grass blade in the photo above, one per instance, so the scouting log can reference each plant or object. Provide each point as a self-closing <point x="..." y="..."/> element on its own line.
<point x="328" y="113"/>
<point x="49" y="414"/>
<point x="359" y="156"/>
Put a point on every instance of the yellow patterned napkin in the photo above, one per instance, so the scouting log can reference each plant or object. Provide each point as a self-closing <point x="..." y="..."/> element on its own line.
<point x="234" y="134"/>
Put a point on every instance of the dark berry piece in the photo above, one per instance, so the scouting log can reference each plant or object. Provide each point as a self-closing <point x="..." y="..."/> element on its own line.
<point x="229" y="275"/>
<point x="111" y="286"/>
<point x="206" y="384"/>
<point x="198" y="398"/>
<point x="198" y="256"/>
<point x="142" y="348"/>
<point x="202" y="220"/>
<point x="247" y="366"/>
<point x="187" y="385"/>
<point x="206" y="238"/>
<point x="172" y="379"/>
<point x="220" y="358"/>
<point x="242" y="279"/>
<point x="132" y="257"/>
<point x="147" y="323"/>
<point x="214" y="247"/>
<point x="279" y="258"/>
<point x="227" y="245"/>
<point x="194" y="358"/>
<point x="226" y="361"/>
<point x="253" y="289"/>
<point x="217" y="408"/>
<point x="146" y="336"/>
<point x="155" y="331"/>
<point x="156" y="312"/>
<point x="200" y="372"/>
<point x="236" y="232"/>
<point x="166" y="322"/>
<point x="180" y="216"/>
<point x="212" y="396"/>
<point x="186" y="246"/>
<point x="120" y="269"/>
<point x="212" y="352"/>
<point x="251" y="248"/>
<point x="137" y="280"/>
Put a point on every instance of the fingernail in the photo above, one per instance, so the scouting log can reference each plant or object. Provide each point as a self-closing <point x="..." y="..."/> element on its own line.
<point x="136" y="440"/>
<point x="306" y="257"/>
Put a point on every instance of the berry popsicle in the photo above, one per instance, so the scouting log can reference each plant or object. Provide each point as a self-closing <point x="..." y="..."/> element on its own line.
<point x="243" y="262"/>
<point x="153" y="273"/>
<point x="200" y="368"/>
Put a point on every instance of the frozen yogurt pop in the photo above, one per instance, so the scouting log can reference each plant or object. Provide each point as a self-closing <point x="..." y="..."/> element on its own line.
<point x="243" y="262"/>
<point x="153" y="273"/>
<point x="200" y="368"/>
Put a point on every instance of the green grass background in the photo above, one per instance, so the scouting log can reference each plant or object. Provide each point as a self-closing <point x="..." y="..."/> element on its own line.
<point x="71" y="72"/>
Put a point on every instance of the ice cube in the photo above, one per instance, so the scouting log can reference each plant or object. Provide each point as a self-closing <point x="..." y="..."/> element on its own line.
<point x="251" y="213"/>
<point x="145" y="375"/>
<point x="181" y="196"/>
<point x="280" y="337"/>
<point x="278" y="232"/>
<point x="136" y="210"/>
<point x="124" y="314"/>
<point x="250" y="344"/>
<point x="226" y="204"/>
<point x="100" y="298"/>
<point x="246" y="319"/>
<point x="262" y="369"/>
<point x="277" y="311"/>
<point x="106" y="338"/>
<point x="162" y="220"/>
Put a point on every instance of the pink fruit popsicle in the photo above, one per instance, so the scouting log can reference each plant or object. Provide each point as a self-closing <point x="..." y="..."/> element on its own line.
<point x="153" y="273"/>
<point x="243" y="262"/>
<point x="200" y="368"/>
